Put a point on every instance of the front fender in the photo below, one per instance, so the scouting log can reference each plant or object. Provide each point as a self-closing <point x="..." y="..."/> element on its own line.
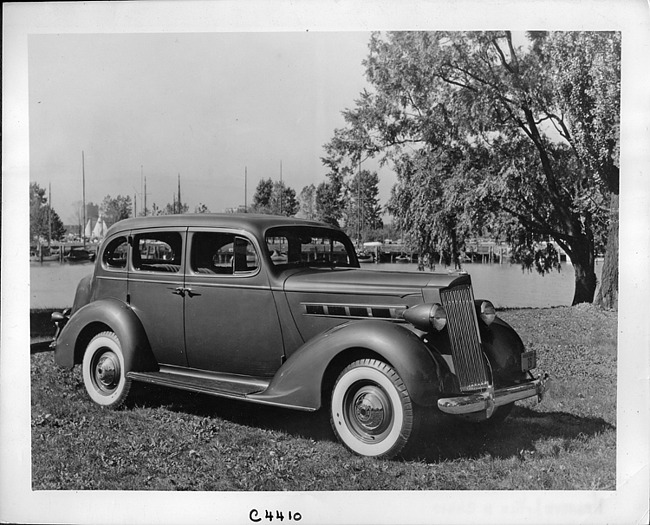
<point x="298" y="382"/>
<point x="503" y="347"/>
<point x="98" y="316"/>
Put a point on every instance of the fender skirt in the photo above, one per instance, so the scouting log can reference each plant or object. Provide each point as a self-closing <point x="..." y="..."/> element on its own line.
<point x="96" y="317"/>
<point x="298" y="382"/>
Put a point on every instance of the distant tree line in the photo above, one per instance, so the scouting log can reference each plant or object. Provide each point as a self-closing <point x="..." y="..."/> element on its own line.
<point x="352" y="204"/>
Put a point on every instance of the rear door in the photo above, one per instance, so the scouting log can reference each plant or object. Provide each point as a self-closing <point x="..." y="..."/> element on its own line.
<point x="231" y="322"/>
<point x="156" y="290"/>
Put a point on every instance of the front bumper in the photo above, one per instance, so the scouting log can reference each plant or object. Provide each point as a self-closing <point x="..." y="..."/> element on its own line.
<point x="490" y="399"/>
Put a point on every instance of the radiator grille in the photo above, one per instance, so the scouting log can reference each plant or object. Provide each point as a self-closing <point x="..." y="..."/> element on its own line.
<point x="466" y="349"/>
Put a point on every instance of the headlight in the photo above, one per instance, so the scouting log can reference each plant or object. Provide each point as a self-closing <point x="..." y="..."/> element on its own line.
<point x="438" y="317"/>
<point x="488" y="313"/>
<point x="426" y="316"/>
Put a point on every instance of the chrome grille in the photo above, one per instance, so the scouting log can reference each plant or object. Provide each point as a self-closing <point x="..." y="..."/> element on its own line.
<point x="466" y="349"/>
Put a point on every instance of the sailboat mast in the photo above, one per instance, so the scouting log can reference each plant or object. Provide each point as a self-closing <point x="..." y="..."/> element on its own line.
<point x="359" y="201"/>
<point x="180" y="210"/>
<point x="83" y="178"/>
<point x="141" y="189"/>
<point x="49" y="215"/>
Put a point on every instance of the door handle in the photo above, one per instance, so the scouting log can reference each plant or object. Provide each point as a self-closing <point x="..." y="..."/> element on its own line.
<point x="182" y="291"/>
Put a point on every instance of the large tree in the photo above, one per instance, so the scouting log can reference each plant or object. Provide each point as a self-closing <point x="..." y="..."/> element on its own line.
<point x="585" y="79"/>
<point x="44" y="223"/>
<point x="501" y="109"/>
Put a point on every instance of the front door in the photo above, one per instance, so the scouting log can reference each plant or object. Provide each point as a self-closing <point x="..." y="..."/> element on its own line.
<point x="231" y="323"/>
<point x="155" y="290"/>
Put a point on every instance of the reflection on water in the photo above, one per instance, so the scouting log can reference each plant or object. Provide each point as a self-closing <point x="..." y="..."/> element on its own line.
<point x="506" y="285"/>
<point x="53" y="284"/>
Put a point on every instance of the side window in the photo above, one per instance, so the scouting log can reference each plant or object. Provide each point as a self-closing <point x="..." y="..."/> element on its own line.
<point x="309" y="247"/>
<point x="222" y="253"/>
<point x="278" y="248"/>
<point x="157" y="252"/>
<point x="114" y="255"/>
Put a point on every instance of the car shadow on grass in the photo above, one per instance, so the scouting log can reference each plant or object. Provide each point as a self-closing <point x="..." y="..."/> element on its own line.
<point x="442" y="438"/>
<point x="309" y="425"/>
<point x="448" y="439"/>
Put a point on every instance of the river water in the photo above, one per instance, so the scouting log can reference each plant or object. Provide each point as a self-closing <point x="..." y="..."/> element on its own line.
<point x="53" y="284"/>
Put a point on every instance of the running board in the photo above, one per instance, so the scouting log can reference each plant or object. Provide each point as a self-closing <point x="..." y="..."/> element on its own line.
<point x="223" y="385"/>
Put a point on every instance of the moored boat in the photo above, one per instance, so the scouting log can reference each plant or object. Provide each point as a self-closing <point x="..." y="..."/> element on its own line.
<point x="79" y="255"/>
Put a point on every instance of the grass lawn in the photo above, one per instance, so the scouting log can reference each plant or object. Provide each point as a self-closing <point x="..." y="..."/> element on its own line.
<point x="173" y="440"/>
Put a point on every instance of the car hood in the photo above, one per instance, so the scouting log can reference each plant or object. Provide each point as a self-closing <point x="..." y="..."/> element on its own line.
<point x="359" y="281"/>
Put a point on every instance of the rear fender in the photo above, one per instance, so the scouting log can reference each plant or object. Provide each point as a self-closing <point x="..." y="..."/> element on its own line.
<point x="299" y="381"/>
<point x="100" y="316"/>
<point x="82" y="293"/>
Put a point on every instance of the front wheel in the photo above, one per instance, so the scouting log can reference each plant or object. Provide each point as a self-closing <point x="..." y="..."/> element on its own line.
<point x="103" y="371"/>
<point x="371" y="410"/>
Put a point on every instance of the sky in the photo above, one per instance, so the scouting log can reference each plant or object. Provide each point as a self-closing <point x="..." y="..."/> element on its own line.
<point x="209" y="107"/>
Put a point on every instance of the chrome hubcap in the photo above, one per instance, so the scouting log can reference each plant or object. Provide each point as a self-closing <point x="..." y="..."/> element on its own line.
<point x="107" y="372"/>
<point x="368" y="410"/>
<point x="369" y="413"/>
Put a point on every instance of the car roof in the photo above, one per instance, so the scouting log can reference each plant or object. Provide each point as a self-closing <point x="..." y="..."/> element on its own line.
<point x="254" y="223"/>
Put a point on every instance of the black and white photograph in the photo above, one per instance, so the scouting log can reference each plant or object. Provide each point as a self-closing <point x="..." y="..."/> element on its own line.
<point x="325" y="262"/>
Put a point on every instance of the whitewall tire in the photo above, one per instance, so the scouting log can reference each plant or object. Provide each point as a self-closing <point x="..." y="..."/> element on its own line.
<point x="371" y="410"/>
<point x="103" y="371"/>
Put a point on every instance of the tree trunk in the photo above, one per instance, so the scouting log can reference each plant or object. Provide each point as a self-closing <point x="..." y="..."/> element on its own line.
<point x="608" y="291"/>
<point x="581" y="252"/>
<point x="585" y="282"/>
<point x="454" y="249"/>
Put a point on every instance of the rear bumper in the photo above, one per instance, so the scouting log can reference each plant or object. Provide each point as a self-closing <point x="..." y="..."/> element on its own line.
<point x="489" y="400"/>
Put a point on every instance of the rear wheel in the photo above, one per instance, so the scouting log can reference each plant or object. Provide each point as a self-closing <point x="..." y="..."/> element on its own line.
<point x="371" y="410"/>
<point x="103" y="371"/>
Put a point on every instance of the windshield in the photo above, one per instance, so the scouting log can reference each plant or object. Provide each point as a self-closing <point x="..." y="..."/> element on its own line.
<point x="308" y="246"/>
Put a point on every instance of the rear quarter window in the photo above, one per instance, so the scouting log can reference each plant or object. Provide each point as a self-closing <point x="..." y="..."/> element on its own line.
<point x="115" y="254"/>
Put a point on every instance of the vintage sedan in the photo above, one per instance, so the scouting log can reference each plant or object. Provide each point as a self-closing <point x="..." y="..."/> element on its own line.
<point x="277" y="311"/>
